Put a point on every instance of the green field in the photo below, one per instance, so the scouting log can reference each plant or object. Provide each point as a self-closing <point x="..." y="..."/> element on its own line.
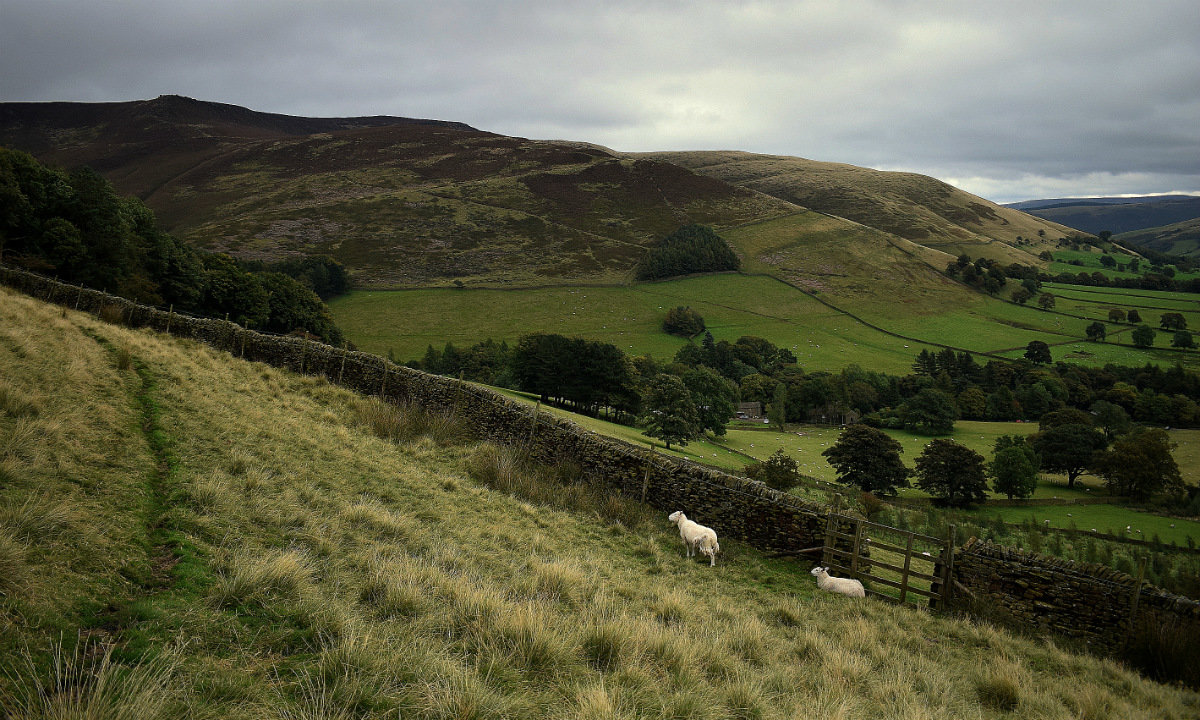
<point x="1150" y="304"/>
<point x="1090" y="263"/>
<point x="404" y="322"/>
<point x="1103" y="518"/>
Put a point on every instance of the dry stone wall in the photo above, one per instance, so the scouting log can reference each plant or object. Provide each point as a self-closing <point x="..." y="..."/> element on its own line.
<point x="1091" y="602"/>
<point x="735" y="507"/>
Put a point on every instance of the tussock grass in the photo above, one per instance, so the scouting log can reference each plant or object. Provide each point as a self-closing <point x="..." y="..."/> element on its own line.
<point x="12" y="563"/>
<point x="22" y="439"/>
<point x="605" y="644"/>
<point x="405" y="422"/>
<point x="124" y="359"/>
<point x="85" y="682"/>
<point x="999" y="685"/>
<point x="37" y="517"/>
<point x="559" y="486"/>
<point x="15" y="402"/>
<point x="393" y="592"/>
<point x="670" y="607"/>
<point x="260" y="578"/>
<point x="380" y="521"/>
<point x="319" y="572"/>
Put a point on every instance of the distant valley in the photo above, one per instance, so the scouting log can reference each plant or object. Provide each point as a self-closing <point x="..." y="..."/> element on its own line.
<point x="1162" y="223"/>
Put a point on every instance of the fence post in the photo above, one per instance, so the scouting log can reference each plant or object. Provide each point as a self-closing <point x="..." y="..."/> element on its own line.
<point x="303" y="355"/>
<point x="342" y="369"/>
<point x="533" y="424"/>
<point x="1137" y="592"/>
<point x="827" y="551"/>
<point x="907" y="563"/>
<point x="646" y="472"/>
<point x="944" y="570"/>
<point x="856" y="547"/>
<point x="383" y="382"/>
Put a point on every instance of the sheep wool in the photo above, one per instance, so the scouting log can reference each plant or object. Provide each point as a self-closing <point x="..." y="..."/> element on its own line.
<point x="846" y="586"/>
<point x="696" y="537"/>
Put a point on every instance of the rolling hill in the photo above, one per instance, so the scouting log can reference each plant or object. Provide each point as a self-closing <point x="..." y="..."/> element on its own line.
<point x="1181" y="238"/>
<point x="1117" y="215"/>
<point x="418" y="203"/>
<point x="914" y="207"/>
<point x="185" y="534"/>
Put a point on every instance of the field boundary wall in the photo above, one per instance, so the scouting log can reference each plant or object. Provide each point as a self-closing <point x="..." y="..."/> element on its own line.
<point x="1075" y="600"/>
<point x="1094" y="603"/>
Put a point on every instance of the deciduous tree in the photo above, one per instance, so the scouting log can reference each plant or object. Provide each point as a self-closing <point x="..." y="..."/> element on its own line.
<point x="868" y="459"/>
<point x="952" y="473"/>
<point x="1172" y="321"/>
<point x="683" y="321"/>
<point x="1140" y="464"/>
<point x="1067" y="449"/>
<point x="1014" y="467"/>
<point x="713" y="396"/>
<point x="930" y="411"/>
<point x="668" y="411"/>
<point x="1037" y="352"/>
<point x="778" y="471"/>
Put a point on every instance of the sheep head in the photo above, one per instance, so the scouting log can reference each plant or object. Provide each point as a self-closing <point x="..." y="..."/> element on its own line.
<point x="677" y="516"/>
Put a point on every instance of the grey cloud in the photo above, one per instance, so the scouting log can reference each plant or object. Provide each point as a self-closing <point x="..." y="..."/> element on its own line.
<point x="1005" y="98"/>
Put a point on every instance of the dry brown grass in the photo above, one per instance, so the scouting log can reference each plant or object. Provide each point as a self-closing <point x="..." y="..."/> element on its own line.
<point x="336" y="573"/>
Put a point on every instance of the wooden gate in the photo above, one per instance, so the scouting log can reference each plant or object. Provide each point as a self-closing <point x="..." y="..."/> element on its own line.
<point x="894" y="564"/>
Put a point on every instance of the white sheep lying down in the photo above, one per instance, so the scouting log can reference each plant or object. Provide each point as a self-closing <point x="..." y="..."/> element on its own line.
<point x="846" y="586"/>
<point x="696" y="537"/>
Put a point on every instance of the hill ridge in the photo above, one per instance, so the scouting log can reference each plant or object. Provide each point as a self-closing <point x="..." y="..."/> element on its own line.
<point x="408" y="203"/>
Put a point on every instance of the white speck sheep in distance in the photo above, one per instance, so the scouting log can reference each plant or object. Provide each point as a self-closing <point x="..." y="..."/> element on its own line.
<point x="846" y="586"/>
<point x="696" y="537"/>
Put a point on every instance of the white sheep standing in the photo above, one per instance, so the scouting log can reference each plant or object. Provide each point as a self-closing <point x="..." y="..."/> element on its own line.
<point x="846" y="586"/>
<point x="696" y="537"/>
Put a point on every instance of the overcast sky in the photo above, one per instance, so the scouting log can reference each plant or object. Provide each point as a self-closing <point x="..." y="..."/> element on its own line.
<point x="1008" y="100"/>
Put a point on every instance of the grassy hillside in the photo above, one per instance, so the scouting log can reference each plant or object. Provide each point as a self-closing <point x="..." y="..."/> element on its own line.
<point x="400" y="202"/>
<point x="186" y="535"/>
<point x="1181" y="238"/>
<point x="413" y="203"/>
<point x="910" y="206"/>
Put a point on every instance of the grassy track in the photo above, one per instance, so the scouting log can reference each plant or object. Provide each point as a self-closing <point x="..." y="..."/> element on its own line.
<point x="348" y="561"/>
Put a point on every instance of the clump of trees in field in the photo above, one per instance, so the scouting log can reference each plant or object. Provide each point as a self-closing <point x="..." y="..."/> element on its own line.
<point x="683" y="321"/>
<point x="74" y="226"/>
<point x="690" y="249"/>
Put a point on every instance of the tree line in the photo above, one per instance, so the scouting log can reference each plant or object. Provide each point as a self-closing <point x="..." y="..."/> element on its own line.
<point x="74" y="226"/>
<point x="992" y="276"/>
<point x="1134" y="462"/>
<point x="943" y="387"/>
